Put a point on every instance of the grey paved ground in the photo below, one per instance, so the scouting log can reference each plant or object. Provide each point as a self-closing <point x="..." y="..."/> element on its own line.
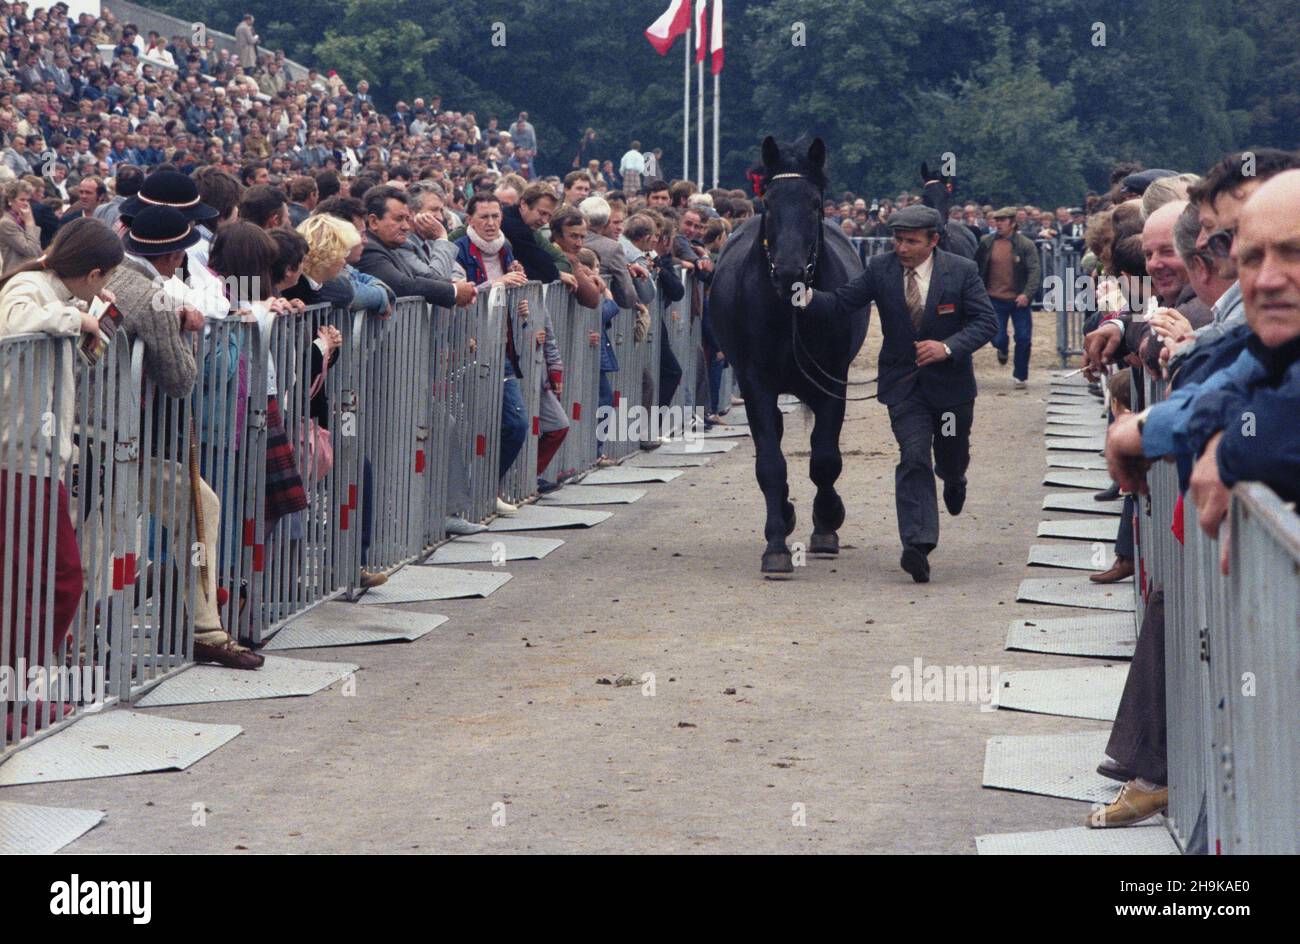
<point x="502" y="705"/>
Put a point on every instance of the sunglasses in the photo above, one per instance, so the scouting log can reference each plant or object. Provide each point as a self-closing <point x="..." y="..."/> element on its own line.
<point x="1219" y="243"/>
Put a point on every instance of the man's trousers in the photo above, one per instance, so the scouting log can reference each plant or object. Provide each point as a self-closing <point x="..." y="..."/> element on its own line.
<point x="931" y="442"/>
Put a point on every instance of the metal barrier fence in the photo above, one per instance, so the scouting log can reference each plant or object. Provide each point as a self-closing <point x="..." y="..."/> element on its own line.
<point x="391" y="424"/>
<point x="1231" y="652"/>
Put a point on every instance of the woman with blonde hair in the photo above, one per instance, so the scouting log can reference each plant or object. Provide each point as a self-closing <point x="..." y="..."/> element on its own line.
<point x="329" y="242"/>
<point x="20" y="237"/>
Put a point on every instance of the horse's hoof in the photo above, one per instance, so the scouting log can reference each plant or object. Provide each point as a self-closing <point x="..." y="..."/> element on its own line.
<point x="777" y="565"/>
<point x="824" y="542"/>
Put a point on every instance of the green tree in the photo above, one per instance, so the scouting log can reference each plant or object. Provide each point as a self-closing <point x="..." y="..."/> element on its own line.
<point x="1007" y="128"/>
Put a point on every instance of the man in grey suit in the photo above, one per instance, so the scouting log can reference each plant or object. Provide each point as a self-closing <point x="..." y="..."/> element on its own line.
<point x="934" y="314"/>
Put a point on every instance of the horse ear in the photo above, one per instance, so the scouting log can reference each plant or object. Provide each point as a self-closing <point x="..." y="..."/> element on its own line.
<point x="817" y="154"/>
<point x="771" y="152"/>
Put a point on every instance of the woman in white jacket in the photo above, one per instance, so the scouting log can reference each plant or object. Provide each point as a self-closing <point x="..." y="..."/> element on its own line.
<point x="49" y="295"/>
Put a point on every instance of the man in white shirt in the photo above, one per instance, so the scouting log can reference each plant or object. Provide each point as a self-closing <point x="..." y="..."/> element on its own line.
<point x="632" y="167"/>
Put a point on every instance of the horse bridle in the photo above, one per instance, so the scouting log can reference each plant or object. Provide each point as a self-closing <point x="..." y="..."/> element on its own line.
<point x="810" y="269"/>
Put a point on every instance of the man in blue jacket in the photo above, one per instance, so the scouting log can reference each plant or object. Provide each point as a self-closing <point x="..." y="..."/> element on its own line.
<point x="934" y="313"/>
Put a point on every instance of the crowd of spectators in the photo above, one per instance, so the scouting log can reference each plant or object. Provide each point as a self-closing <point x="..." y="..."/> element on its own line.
<point x="1198" y="286"/>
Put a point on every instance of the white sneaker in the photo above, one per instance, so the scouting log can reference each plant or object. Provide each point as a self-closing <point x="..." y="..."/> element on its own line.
<point x="454" y="524"/>
<point x="1019" y="384"/>
<point x="505" y="509"/>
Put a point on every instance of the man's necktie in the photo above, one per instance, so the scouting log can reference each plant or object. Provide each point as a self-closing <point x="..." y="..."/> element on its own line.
<point x="915" y="306"/>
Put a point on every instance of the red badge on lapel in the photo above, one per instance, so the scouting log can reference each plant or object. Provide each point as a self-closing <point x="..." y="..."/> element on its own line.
<point x="945" y="309"/>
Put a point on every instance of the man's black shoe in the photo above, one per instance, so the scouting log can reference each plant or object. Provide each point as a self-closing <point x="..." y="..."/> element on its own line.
<point x="545" y="486"/>
<point x="1002" y="357"/>
<point x="1109" y="494"/>
<point x="914" y="562"/>
<point x="954" y="497"/>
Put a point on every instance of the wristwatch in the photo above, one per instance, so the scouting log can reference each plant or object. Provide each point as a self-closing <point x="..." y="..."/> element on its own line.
<point x="947" y="350"/>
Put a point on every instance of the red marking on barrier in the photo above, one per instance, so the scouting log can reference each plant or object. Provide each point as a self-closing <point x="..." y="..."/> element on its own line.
<point x="119" y="569"/>
<point x="343" y="517"/>
<point x="419" y="462"/>
<point x="250" y="532"/>
<point x="259" y="557"/>
<point x="480" y="445"/>
<point x="352" y="496"/>
<point x="618" y="395"/>
<point x="577" y="410"/>
<point x="537" y="426"/>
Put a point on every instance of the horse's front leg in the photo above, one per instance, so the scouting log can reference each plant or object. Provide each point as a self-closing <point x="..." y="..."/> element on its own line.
<point x="766" y="426"/>
<point x="824" y="468"/>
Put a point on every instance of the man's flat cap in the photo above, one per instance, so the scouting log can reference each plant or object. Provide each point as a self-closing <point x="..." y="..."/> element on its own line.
<point x="1006" y="213"/>
<point x="1139" y="182"/>
<point x="917" y="216"/>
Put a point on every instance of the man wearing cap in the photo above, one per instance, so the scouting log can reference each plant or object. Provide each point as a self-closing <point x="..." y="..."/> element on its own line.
<point x="153" y="301"/>
<point x="934" y="314"/>
<point x="1008" y="266"/>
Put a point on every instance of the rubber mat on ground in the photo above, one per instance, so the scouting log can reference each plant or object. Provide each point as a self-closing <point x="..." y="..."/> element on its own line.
<point x="346" y="624"/>
<point x="1094" y="557"/>
<point x="42" y="830"/>
<point x="1100" y="635"/>
<point x="1077" y="591"/>
<point x="536" y="518"/>
<point x="487" y="548"/>
<point x="1090" y="691"/>
<point x="1080" y="529"/>
<point x="1080" y="840"/>
<point x="591" y="495"/>
<point x="1060" y="765"/>
<point x="418" y="584"/>
<point x="279" y="677"/>
<point x="113" y="744"/>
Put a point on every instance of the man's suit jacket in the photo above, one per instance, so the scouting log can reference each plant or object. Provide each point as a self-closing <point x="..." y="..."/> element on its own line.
<point x="387" y="266"/>
<point x="613" y="266"/>
<point x="957" y="312"/>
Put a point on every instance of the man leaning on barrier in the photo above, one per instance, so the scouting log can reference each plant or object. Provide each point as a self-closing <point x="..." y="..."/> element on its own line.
<point x="150" y="293"/>
<point x="1238" y="424"/>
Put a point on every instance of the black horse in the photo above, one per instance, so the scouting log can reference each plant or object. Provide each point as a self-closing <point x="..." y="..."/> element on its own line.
<point x="776" y="347"/>
<point x="936" y="192"/>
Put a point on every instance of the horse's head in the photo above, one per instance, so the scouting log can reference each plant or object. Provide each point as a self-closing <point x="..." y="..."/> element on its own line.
<point x="936" y="190"/>
<point x="793" y="183"/>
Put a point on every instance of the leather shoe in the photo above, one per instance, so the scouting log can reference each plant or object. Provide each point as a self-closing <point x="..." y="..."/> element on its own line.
<point x="371" y="579"/>
<point x="230" y="654"/>
<point x="954" y="497"/>
<point x="1107" y="494"/>
<point x="915" y="563"/>
<point x="1114" y="770"/>
<point x="1122" y="569"/>
<point x="1133" y="805"/>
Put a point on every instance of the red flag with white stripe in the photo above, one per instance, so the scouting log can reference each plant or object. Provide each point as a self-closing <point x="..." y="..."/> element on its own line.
<point x="672" y="23"/>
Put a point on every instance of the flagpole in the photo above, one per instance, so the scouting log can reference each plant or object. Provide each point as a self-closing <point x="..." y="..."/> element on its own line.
<point x="717" y="111"/>
<point x="699" y="150"/>
<point x="686" y="114"/>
